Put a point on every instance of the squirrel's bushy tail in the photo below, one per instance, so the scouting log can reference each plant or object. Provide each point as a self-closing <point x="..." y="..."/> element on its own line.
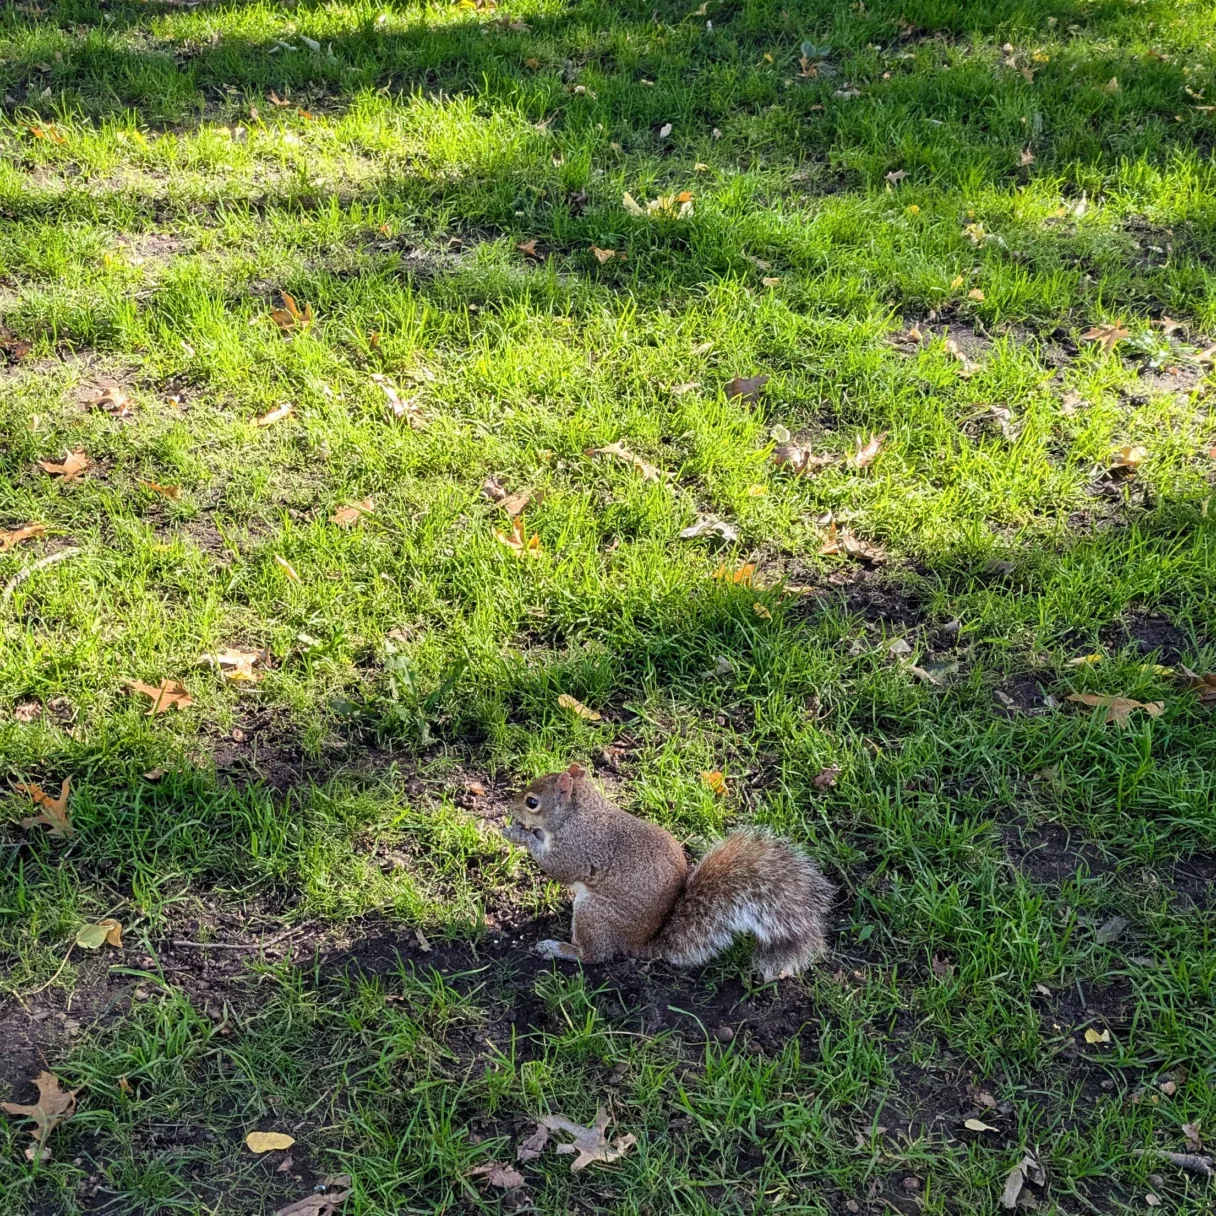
<point x="754" y="883"/>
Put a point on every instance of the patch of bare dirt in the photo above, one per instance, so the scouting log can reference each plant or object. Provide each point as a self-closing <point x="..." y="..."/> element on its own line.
<point x="1049" y="855"/>
<point x="1152" y="633"/>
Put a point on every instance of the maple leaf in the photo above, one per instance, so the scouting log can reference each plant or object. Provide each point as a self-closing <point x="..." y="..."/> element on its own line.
<point x="352" y="512"/>
<point x="1118" y="709"/>
<point x="703" y="527"/>
<point x="1204" y="688"/>
<point x="606" y="255"/>
<point x="715" y="781"/>
<point x="528" y="249"/>
<point x="54" y="1105"/>
<point x="590" y="1144"/>
<point x="748" y="388"/>
<point x="74" y="463"/>
<point x="1168" y="325"/>
<point x="52" y="812"/>
<point x="620" y="452"/>
<point x="290" y="316"/>
<point x="170" y="694"/>
<point x="496" y="1174"/>
<point x="174" y="492"/>
<point x="320" y="1205"/>
<point x="566" y="701"/>
<point x="238" y="665"/>
<point x="865" y="455"/>
<point x="17" y="535"/>
<point x="1107" y="335"/>
<point x="275" y="415"/>
<point x="518" y="538"/>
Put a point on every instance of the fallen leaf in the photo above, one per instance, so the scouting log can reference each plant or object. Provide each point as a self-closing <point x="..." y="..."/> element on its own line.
<point x="268" y="1142"/>
<point x="27" y="712"/>
<point x="957" y="282"/>
<point x="287" y="568"/>
<point x="1194" y="1141"/>
<point x="352" y="512"/>
<point x="112" y="400"/>
<point x="403" y="408"/>
<point x="106" y="932"/>
<point x="761" y="611"/>
<point x="1111" y="930"/>
<point x="528" y="249"/>
<point x="975" y="294"/>
<point x="770" y="281"/>
<point x="1204" y="688"/>
<point x="977" y="1125"/>
<point x="169" y="695"/>
<point x="504" y="1176"/>
<point x="1085" y="660"/>
<point x="1118" y="709"/>
<point x="1093" y="1036"/>
<point x="1107" y="335"/>
<point x="174" y="492"/>
<point x="566" y="701"/>
<point x="620" y="452"/>
<point x="423" y="944"/>
<point x="1027" y="1170"/>
<point x="844" y="544"/>
<point x="665" y="130"/>
<point x="799" y="460"/>
<point x="320" y="1205"/>
<point x="715" y="781"/>
<point x="607" y="255"/>
<point x="154" y="774"/>
<point x="826" y="777"/>
<point x="757" y="491"/>
<point x="942" y="966"/>
<point x="1111" y="86"/>
<point x="747" y="387"/>
<point x="1168" y="325"/>
<point x="54" y="1105"/>
<point x="1027" y="157"/>
<point x="865" y="454"/>
<point x="518" y="538"/>
<point x="74" y="463"/>
<point x="703" y="527"/>
<point x="742" y="575"/>
<point x="1153" y="1201"/>
<point x="974" y="233"/>
<point x="1130" y="457"/>
<point x="534" y="1145"/>
<point x="238" y="665"/>
<point x="275" y="415"/>
<point x="590" y="1144"/>
<point x="1169" y="1088"/>
<point x="52" y="812"/>
<point x="896" y="176"/>
<point x="290" y="317"/>
<point x="17" y="535"/>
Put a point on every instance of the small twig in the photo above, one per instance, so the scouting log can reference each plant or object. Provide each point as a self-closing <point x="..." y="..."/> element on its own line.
<point x="258" y="945"/>
<point x="1184" y="1161"/>
<point x="33" y="568"/>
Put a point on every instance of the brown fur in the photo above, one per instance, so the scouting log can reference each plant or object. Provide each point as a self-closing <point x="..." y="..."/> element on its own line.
<point x="635" y="895"/>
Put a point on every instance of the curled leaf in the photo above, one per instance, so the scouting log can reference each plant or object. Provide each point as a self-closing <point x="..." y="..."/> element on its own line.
<point x="590" y="1143"/>
<point x="566" y="701"/>
<point x="17" y="535"/>
<point x="518" y="538"/>
<point x="715" y="781"/>
<point x="620" y="452"/>
<point x="504" y="1176"/>
<point x="704" y="527"/>
<point x="352" y="512"/>
<point x="865" y="453"/>
<point x="1118" y="709"/>
<point x="106" y="932"/>
<point x="52" y="812"/>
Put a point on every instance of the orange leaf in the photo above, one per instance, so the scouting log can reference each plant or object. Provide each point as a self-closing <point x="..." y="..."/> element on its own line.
<point x="528" y="249"/>
<point x="276" y="415"/>
<point x="17" y="535"/>
<point x="566" y="701"/>
<point x="173" y="492"/>
<point x="715" y="781"/>
<point x="518" y="538"/>
<point x="52" y="812"/>
<point x="169" y="695"/>
<point x="865" y="455"/>
<point x="606" y="255"/>
<point x="350" y="514"/>
<point x="74" y="463"/>
<point x="1107" y="335"/>
<point x="742" y="576"/>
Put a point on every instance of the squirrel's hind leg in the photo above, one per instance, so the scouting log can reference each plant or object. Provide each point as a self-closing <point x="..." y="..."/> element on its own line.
<point x="781" y="958"/>
<point x="555" y="949"/>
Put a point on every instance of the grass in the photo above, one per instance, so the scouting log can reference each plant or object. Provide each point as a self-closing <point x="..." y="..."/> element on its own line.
<point x="168" y="171"/>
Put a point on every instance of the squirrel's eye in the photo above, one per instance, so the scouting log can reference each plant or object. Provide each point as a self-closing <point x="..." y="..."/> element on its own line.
<point x="531" y="802"/>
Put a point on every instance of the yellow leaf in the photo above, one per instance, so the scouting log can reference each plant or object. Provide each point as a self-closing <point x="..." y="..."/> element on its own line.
<point x="287" y="568"/>
<point x="757" y="491"/>
<point x="957" y="282"/>
<point x="105" y="932"/>
<point x="275" y="415"/>
<point x="912" y="209"/>
<point x="975" y="294"/>
<point x="1093" y="1036"/>
<point x="976" y="1125"/>
<point x="268" y="1142"/>
<point x="715" y="781"/>
<point x="742" y="576"/>
<point x="566" y="701"/>
<point x="1086" y="660"/>
<point x="761" y="611"/>
<point x="631" y="204"/>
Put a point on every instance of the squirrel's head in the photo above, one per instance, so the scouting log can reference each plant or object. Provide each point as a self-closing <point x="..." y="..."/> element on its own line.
<point x="547" y="802"/>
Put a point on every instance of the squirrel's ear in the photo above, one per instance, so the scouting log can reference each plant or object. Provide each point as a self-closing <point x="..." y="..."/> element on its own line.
<point x="565" y="783"/>
<point x="576" y="771"/>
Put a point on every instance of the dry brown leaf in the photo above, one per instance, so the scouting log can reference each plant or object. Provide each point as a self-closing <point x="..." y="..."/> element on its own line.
<point x="290" y="316"/>
<point x="1130" y="457"/>
<point x="493" y="489"/>
<point x="174" y="492"/>
<point x="1194" y="1139"/>
<point x="268" y="1142"/>
<point x="352" y="512"/>
<point x="1027" y="157"/>
<point x="620" y="452"/>
<point x="74" y="463"/>
<point x="275" y="415"/>
<point x="404" y="409"/>
<point x="238" y="665"/>
<point x="826" y="777"/>
<point x="566" y="701"/>
<point x="1107" y="335"/>
<point x="52" y="812"/>
<point x="799" y="460"/>
<point x="54" y="1105"/>
<point x="528" y="249"/>
<point x="534" y="1145"/>
<point x="607" y="255"/>
<point x="715" y="781"/>
<point x="496" y="1174"/>
<point x="844" y="543"/>
<point x="17" y="535"/>
<point x="112" y="400"/>
<point x="1168" y="325"/>
<point x="590" y="1144"/>
<point x="865" y="454"/>
<point x="518" y="538"/>
<point x="1204" y="688"/>
<point x="169" y="695"/>
<point x="1027" y="1170"/>
<point x="747" y="387"/>
<point x="287" y="568"/>
<point x="1118" y="709"/>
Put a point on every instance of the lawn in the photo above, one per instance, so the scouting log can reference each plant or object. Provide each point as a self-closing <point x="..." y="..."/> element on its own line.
<point x="304" y="303"/>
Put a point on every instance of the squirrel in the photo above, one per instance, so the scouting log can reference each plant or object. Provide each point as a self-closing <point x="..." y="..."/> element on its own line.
<point x="634" y="893"/>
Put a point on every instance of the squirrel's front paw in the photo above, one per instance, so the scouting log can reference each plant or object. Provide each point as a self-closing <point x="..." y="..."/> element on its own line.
<point x="517" y="835"/>
<point x="551" y="949"/>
